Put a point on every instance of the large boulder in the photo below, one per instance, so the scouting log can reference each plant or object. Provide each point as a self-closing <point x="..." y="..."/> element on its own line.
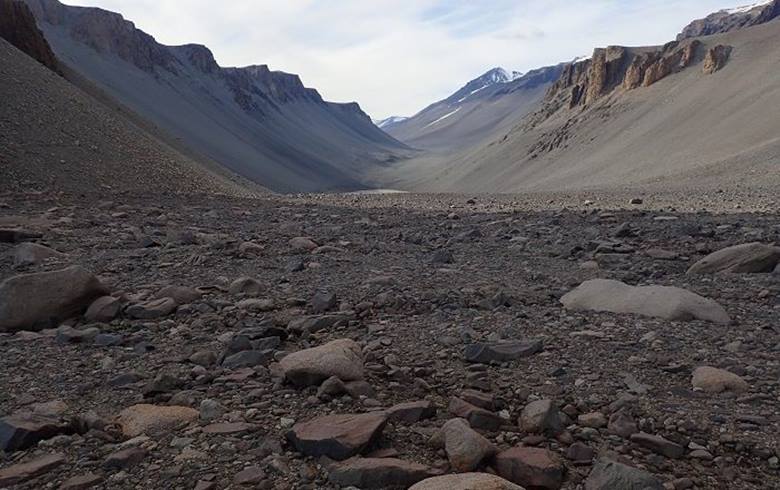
<point x="714" y="380"/>
<point x="541" y="417"/>
<point x="669" y="303"/>
<point x="338" y="437"/>
<point x="151" y="419"/>
<point x="341" y="358"/>
<point x="531" y="467"/>
<point x="609" y="475"/>
<point x="466" y="481"/>
<point x="746" y="258"/>
<point x="378" y="473"/>
<point x="466" y="448"/>
<point x="25" y="429"/>
<point x="43" y="300"/>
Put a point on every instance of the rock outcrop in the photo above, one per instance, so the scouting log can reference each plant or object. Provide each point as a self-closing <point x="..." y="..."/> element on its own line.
<point x="18" y="27"/>
<point x="716" y="58"/>
<point x="731" y="19"/>
<point x="746" y="258"/>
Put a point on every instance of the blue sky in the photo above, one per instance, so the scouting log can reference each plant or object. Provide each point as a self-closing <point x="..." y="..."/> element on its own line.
<point x="395" y="57"/>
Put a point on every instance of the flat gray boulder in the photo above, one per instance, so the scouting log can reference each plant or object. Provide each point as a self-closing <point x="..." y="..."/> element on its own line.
<point x="669" y="303"/>
<point x="310" y="367"/>
<point x="43" y="300"/>
<point x="609" y="475"/>
<point x="746" y="258"/>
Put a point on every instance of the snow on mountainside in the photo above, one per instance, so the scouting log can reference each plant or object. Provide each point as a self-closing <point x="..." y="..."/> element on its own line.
<point x="728" y="20"/>
<point x="385" y="123"/>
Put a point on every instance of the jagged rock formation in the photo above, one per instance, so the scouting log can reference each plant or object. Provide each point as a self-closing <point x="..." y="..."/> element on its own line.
<point x="18" y="27"/>
<point x="732" y="19"/>
<point x="262" y="124"/>
<point x="716" y="58"/>
<point x="616" y="67"/>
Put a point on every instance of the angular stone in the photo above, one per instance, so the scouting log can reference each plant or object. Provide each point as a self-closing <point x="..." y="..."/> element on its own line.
<point x="303" y="244"/>
<point x="156" y="308"/>
<point x="82" y="482"/>
<point x="713" y="380"/>
<point x="22" y="472"/>
<point x="479" y="399"/>
<point x="580" y="453"/>
<point x="478" y="418"/>
<point x="746" y="258"/>
<point x="609" y="475"/>
<point x="411" y="412"/>
<point x="103" y="309"/>
<point x="70" y="335"/>
<point x="249" y="476"/>
<point x="247" y="286"/>
<point x="338" y="437"/>
<point x="247" y="358"/>
<point x="486" y="353"/>
<point x="25" y="429"/>
<point x="43" y="300"/>
<point x="378" y="473"/>
<point x="230" y="428"/>
<point x="594" y="420"/>
<point x="466" y="449"/>
<point x="466" y="481"/>
<point x="541" y="417"/>
<point x="531" y="467"/>
<point x="249" y="249"/>
<point x="32" y="253"/>
<point x="622" y="424"/>
<point x="310" y="367"/>
<point x="181" y="294"/>
<point x="149" y="419"/>
<point x="659" y="445"/>
<point x="665" y="302"/>
<point x="125" y="458"/>
<point x="323" y="301"/>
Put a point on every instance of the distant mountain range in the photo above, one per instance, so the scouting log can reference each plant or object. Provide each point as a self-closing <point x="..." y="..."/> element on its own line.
<point x="262" y="124"/>
<point x="700" y="110"/>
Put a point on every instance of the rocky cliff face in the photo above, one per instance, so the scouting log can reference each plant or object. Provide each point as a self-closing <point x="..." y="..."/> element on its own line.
<point x="254" y="87"/>
<point x="716" y="58"/>
<point x="18" y="27"/>
<point x="615" y="68"/>
<point x="732" y="19"/>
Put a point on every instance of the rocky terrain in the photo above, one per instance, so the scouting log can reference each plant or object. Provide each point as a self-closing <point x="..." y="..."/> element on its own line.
<point x="333" y="342"/>
<point x="728" y="20"/>
<point x="18" y="27"/>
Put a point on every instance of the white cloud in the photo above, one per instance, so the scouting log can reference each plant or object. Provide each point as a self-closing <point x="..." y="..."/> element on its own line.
<point x="396" y="56"/>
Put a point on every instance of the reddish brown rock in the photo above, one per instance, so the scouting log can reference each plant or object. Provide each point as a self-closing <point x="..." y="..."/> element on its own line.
<point x="531" y="467"/>
<point x="466" y="481"/>
<point x="411" y="412"/>
<point x="22" y="472"/>
<point x="338" y="437"/>
<point x="125" y="458"/>
<point x="478" y="418"/>
<point x="377" y="473"/>
<point x="24" y="430"/>
<point x="148" y="419"/>
<point x="82" y="482"/>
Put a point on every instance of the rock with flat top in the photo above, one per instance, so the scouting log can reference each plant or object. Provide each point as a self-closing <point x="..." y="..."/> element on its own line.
<point x="746" y="258"/>
<point x="714" y="380"/>
<point x="43" y="300"/>
<point x="338" y="437"/>
<point x="23" y="430"/>
<point x="610" y="475"/>
<point x="22" y="472"/>
<point x="378" y="473"/>
<point x="31" y="253"/>
<point x="310" y="367"/>
<point x="149" y="310"/>
<point x="103" y="310"/>
<point x="498" y="352"/>
<point x="149" y="419"/>
<point x="531" y="467"/>
<point x="541" y="417"/>
<point x="669" y="303"/>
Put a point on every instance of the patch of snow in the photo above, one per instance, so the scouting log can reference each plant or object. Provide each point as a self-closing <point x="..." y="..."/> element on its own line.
<point x="442" y="118"/>
<point x="746" y="8"/>
<point x="390" y="120"/>
<point x="473" y="92"/>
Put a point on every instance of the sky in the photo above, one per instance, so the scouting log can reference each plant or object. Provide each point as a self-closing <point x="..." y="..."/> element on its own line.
<point x="395" y="57"/>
